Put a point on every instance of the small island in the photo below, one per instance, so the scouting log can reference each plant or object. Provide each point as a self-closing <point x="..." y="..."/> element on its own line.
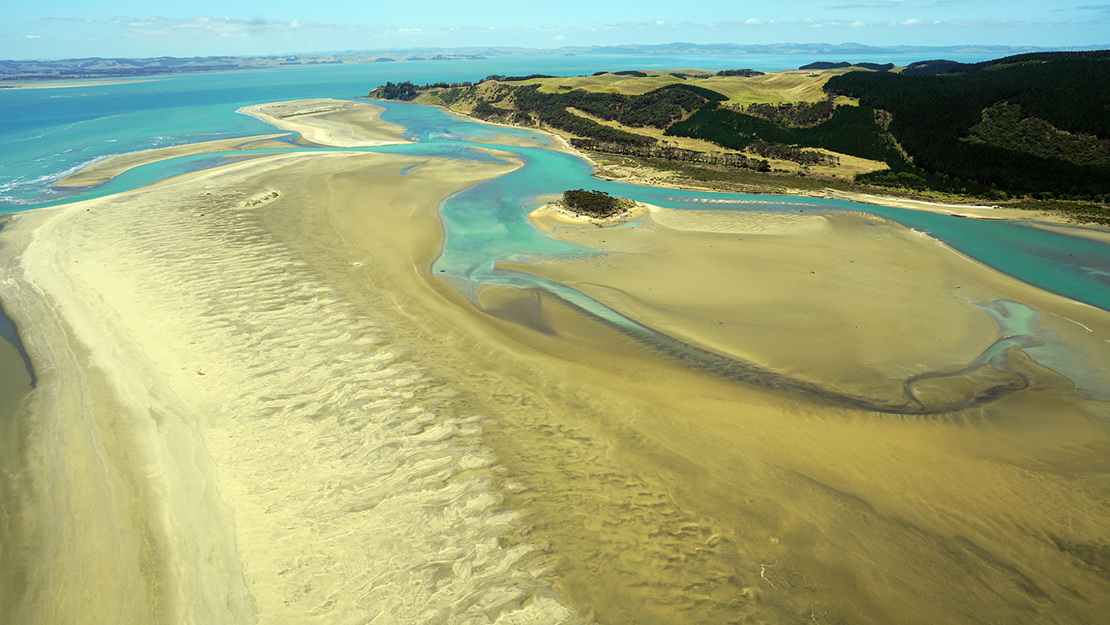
<point x="580" y="207"/>
<point x="596" y="204"/>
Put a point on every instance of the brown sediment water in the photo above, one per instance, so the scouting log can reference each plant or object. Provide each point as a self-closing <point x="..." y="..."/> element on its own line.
<point x="257" y="405"/>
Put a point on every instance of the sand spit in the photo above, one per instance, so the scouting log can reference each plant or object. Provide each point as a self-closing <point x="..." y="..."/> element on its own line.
<point x="971" y="211"/>
<point x="104" y="170"/>
<point x="324" y="121"/>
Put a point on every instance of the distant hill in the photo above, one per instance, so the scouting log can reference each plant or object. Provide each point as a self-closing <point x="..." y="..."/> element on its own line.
<point x="122" y="67"/>
<point x="70" y="69"/>
<point x="885" y="67"/>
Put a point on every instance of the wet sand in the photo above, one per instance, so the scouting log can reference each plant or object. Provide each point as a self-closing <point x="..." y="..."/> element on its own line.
<point x="267" y="447"/>
<point x="820" y="297"/>
<point x="257" y="405"/>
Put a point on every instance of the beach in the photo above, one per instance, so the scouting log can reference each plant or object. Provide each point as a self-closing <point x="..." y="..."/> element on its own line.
<point x="256" y="403"/>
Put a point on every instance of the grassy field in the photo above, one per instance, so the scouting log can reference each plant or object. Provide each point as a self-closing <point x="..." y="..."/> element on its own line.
<point x="770" y="88"/>
<point x="848" y="168"/>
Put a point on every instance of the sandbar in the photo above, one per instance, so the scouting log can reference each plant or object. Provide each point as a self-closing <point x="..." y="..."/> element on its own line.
<point x="329" y="122"/>
<point x="104" y="170"/>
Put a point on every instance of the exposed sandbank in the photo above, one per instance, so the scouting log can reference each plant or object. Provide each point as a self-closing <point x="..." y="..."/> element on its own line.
<point x="555" y="214"/>
<point x="972" y="211"/>
<point x="819" y="296"/>
<point x="187" y="454"/>
<point x="104" y="170"/>
<point x="324" y="121"/>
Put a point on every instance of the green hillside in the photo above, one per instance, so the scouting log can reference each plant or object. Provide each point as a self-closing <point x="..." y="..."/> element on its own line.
<point x="1032" y="125"/>
<point x="1036" y="123"/>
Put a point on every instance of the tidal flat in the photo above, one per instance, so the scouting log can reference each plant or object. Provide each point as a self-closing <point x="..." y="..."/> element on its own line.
<point x="257" y="402"/>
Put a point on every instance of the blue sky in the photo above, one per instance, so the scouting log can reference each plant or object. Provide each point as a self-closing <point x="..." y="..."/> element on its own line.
<point x="66" y="28"/>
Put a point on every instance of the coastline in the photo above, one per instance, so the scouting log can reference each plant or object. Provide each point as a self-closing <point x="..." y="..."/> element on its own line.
<point x="971" y="211"/>
<point x="324" y="122"/>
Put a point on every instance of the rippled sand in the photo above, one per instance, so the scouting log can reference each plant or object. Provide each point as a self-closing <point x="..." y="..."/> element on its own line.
<point x="257" y="405"/>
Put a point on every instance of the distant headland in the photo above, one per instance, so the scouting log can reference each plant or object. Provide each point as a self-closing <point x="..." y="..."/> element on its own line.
<point x="70" y="69"/>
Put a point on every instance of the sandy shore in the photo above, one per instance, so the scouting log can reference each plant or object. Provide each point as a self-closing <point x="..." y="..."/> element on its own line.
<point x="257" y="405"/>
<point x="324" y="121"/>
<point x="104" y="170"/>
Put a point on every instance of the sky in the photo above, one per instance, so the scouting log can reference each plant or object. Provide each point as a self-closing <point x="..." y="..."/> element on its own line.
<point x="55" y="29"/>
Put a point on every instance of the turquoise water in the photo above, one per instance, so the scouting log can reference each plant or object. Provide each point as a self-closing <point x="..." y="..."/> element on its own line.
<point x="52" y="132"/>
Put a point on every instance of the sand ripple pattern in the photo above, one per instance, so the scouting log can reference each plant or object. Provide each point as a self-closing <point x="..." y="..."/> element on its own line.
<point x="359" y="496"/>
